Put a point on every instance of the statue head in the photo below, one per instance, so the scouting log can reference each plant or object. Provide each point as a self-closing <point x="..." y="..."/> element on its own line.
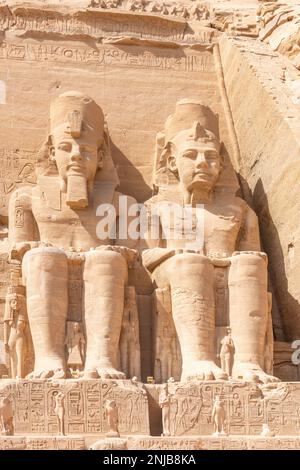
<point x="111" y="404"/>
<point x="14" y="301"/>
<point x="76" y="143"/>
<point x="76" y="327"/>
<point x="192" y="146"/>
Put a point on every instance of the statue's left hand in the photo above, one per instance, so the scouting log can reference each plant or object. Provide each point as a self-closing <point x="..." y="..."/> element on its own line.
<point x="19" y="249"/>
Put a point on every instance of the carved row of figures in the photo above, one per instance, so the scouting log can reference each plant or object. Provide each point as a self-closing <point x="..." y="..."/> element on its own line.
<point x="193" y="11"/>
<point x="7" y="415"/>
<point x="218" y="416"/>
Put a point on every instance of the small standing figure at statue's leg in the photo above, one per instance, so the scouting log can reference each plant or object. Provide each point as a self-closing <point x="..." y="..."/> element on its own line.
<point x="227" y="353"/>
<point x="164" y="403"/>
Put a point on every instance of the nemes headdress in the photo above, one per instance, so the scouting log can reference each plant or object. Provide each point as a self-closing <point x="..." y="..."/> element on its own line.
<point x="194" y="118"/>
<point x="191" y="120"/>
<point x="79" y="111"/>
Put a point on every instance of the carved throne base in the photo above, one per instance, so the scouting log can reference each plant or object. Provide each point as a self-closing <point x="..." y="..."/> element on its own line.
<point x="84" y="406"/>
<point x="247" y="407"/>
<point x="150" y="443"/>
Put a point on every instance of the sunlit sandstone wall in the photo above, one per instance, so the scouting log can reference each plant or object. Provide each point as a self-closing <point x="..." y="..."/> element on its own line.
<point x="264" y="99"/>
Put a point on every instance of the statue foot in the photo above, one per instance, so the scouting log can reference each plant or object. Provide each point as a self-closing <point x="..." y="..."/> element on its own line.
<point x="203" y="370"/>
<point x="47" y="374"/>
<point x="103" y="373"/>
<point x="251" y="372"/>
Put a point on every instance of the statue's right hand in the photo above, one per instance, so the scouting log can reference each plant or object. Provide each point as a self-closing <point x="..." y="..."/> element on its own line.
<point x="19" y="249"/>
<point x="6" y="347"/>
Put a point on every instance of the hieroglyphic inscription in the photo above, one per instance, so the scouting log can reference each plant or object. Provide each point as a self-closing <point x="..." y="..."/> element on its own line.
<point x="34" y="407"/>
<point x="108" y="55"/>
<point x="12" y="443"/>
<point x="75" y="287"/>
<point x="96" y="25"/>
<point x="131" y="407"/>
<point x="161" y="443"/>
<point x="247" y="408"/>
<point x="55" y="443"/>
<point x="16" y="167"/>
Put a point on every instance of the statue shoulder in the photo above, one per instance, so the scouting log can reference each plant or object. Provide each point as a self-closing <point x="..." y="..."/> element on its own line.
<point x="244" y="206"/>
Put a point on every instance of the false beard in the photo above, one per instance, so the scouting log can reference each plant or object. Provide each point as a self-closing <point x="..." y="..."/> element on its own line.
<point x="77" y="193"/>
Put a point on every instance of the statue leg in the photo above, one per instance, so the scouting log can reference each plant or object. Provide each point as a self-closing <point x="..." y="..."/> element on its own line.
<point x="191" y="278"/>
<point x="223" y="363"/>
<point x="124" y="354"/>
<point x="105" y="276"/>
<point x="20" y="352"/>
<point x="12" y="352"/>
<point x="164" y="365"/>
<point x="45" y="272"/>
<point x="166" y="420"/>
<point x="248" y="313"/>
<point x="228" y="367"/>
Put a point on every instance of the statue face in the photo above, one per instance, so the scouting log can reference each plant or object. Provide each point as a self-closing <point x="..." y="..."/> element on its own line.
<point x="75" y="155"/>
<point x="13" y="304"/>
<point x="198" y="164"/>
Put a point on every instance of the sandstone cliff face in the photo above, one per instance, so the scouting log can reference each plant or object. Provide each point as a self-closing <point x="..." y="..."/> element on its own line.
<point x="137" y="58"/>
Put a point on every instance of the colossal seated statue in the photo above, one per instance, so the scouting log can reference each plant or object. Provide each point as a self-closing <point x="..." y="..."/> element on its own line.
<point x="53" y="223"/>
<point x="183" y="257"/>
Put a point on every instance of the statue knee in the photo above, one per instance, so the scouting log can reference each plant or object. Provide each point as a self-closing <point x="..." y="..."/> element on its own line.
<point x="106" y="260"/>
<point x="188" y="263"/>
<point x="248" y="265"/>
<point x="40" y="259"/>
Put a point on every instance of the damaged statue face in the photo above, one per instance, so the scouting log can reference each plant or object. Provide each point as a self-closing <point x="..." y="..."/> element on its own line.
<point x="198" y="164"/>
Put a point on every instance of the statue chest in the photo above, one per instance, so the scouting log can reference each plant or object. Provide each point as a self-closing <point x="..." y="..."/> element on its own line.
<point x="217" y="227"/>
<point x="67" y="227"/>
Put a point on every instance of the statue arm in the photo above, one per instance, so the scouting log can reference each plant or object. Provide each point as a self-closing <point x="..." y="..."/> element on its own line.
<point x="22" y="228"/>
<point x="82" y="349"/>
<point x="132" y="214"/>
<point x="152" y="230"/>
<point x="6" y="332"/>
<point x="249" y="233"/>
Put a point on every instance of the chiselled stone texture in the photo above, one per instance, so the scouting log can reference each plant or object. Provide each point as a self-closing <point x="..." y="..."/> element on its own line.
<point x="279" y="27"/>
